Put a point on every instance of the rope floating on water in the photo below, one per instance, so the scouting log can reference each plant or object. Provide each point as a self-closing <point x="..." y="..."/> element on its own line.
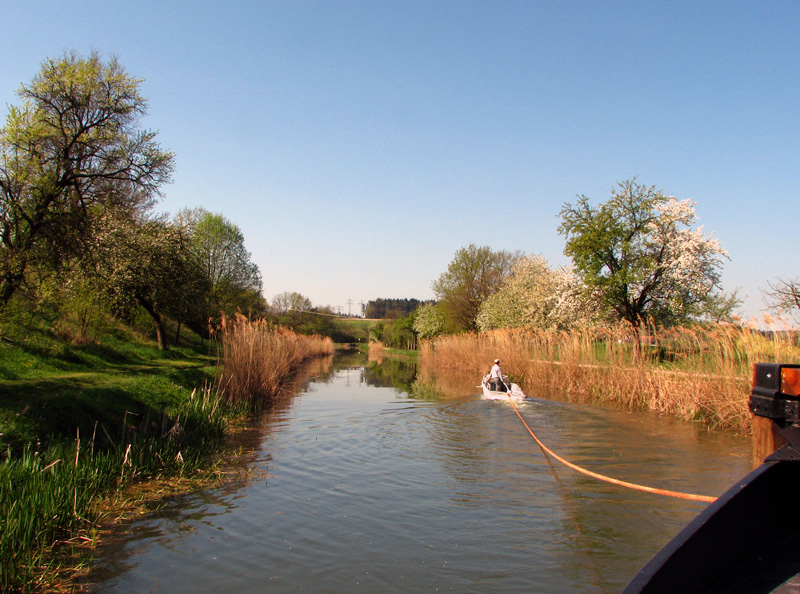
<point x="608" y="479"/>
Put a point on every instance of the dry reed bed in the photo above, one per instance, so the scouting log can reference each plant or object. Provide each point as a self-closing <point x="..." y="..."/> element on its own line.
<point x="700" y="372"/>
<point x="259" y="359"/>
<point x="376" y="352"/>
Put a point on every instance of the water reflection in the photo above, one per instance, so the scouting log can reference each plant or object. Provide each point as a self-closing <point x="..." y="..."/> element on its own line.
<point x="447" y="382"/>
<point x="407" y="376"/>
<point x="392" y="373"/>
<point x="246" y="460"/>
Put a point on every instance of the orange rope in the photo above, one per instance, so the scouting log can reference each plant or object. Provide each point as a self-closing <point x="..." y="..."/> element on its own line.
<point x="608" y="479"/>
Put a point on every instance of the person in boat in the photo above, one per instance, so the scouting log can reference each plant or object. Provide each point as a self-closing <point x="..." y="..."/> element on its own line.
<point x="496" y="378"/>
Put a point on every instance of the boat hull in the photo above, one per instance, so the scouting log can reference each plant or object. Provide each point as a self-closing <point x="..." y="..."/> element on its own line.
<point x="746" y="541"/>
<point x="515" y="392"/>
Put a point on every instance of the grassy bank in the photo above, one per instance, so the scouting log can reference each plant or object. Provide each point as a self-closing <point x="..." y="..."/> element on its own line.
<point x="81" y="421"/>
<point x="699" y="372"/>
<point x="377" y="351"/>
<point x="81" y="424"/>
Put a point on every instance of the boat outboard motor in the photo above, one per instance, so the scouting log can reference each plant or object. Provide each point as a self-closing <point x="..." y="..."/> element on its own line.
<point x="748" y="540"/>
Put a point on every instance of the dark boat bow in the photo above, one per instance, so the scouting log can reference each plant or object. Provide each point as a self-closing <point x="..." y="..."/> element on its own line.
<point x="746" y="541"/>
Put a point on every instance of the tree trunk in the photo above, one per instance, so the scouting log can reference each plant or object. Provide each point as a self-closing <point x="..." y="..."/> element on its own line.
<point x="9" y="284"/>
<point x="161" y="335"/>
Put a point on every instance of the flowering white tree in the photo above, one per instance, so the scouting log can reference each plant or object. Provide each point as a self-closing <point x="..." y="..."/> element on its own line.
<point x="147" y="264"/>
<point x="534" y="296"/>
<point x="430" y="321"/>
<point x="639" y="255"/>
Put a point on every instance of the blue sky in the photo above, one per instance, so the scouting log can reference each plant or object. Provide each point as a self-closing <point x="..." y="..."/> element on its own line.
<point x="358" y="145"/>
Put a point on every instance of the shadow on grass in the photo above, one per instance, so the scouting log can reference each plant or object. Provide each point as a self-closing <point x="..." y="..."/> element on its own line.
<point x="105" y="409"/>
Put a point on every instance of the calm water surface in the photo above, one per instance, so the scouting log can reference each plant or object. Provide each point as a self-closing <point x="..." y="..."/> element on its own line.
<point x="356" y="487"/>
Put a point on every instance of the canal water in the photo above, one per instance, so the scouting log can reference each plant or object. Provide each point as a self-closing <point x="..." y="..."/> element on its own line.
<point x="368" y="481"/>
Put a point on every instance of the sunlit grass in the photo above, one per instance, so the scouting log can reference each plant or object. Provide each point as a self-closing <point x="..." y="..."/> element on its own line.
<point x="81" y="423"/>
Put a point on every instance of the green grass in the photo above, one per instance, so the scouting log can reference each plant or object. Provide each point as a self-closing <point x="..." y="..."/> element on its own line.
<point x="402" y="353"/>
<point x="78" y="422"/>
<point x="356" y="327"/>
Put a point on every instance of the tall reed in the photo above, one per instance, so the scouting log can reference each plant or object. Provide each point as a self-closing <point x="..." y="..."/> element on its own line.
<point x="696" y="372"/>
<point x="259" y="358"/>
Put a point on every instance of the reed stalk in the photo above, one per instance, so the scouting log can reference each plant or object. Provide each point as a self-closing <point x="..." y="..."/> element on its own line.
<point x="700" y="372"/>
<point x="376" y="352"/>
<point x="260" y="359"/>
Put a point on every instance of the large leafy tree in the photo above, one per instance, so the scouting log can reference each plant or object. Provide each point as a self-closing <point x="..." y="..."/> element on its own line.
<point x="291" y="301"/>
<point x="72" y="151"/>
<point x="218" y="245"/>
<point x="640" y="257"/>
<point x="473" y="274"/>
<point x="295" y="310"/>
<point x="149" y="265"/>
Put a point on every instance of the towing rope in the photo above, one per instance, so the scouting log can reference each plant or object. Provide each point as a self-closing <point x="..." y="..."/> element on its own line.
<point x="608" y="479"/>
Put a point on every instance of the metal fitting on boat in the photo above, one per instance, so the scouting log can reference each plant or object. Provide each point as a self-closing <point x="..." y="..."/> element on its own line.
<point x="776" y="392"/>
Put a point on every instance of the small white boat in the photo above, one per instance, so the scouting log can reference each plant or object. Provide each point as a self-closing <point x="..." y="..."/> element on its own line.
<point x="515" y="392"/>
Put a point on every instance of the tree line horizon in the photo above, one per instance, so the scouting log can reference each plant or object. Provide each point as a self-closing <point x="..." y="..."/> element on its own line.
<point x="80" y="177"/>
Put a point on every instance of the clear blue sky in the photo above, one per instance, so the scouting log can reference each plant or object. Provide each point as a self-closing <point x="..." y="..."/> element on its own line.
<point x="358" y="145"/>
